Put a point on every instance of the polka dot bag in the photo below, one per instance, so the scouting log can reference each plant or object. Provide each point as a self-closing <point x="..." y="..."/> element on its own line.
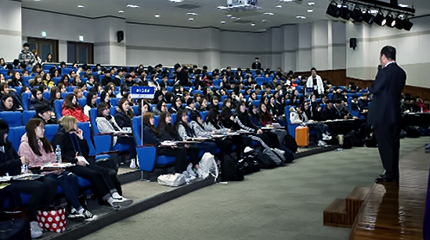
<point x="53" y="220"/>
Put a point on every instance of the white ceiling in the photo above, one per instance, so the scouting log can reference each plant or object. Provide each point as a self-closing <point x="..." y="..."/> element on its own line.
<point x="207" y="13"/>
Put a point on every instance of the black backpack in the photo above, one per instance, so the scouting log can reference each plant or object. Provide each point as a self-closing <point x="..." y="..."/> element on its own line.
<point x="231" y="169"/>
<point x="248" y="164"/>
<point x="290" y="143"/>
<point x="265" y="162"/>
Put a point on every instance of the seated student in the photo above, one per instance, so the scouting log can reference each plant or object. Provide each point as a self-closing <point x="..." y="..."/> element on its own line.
<point x="161" y="107"/>
<point x="176" y="106"/>
<point x="151" y="135"/>
<point x="91" y="103"/>
<point x="107" y="124"/>
<point x="55" y="95"/>
<point x="64" y="80"/>
<point x="37" y="149"/>
<point x="36" y="99"/>
<point x="36" y="82"/>
<point x="78" y="92"/>
<point x="47" y="80"/>
<point x="7" y="104"/>
<point x="203" y="105"/>
<point x="355" y="106"/>
<point x="42" y="190"/>
<point x="328" y="112"/>
<point x="45" y="113"/>
<point x="191" y="105"/>
<point x="71" y="107"/>
<point x="243" y="122"/>
<point x="264" y="116"/>
<point x="254" y="116"/>
<point x="185" y="132"/>
<point x="298" y="116"/>
<point x="214" y="103"/>
<point x="143" y="107"/>
<point x="104" y="97"/>
<point x="16" y="80"/>
<point x="104" y="181"/>
<point x="341" y="111"/>
<point x="124" y="114"/>
<point x="199" y="130"/>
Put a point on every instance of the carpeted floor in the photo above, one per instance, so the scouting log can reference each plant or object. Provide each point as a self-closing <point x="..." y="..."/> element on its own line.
<point x="283" y="203"/>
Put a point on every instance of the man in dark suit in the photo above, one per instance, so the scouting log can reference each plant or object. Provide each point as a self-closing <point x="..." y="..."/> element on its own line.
<point x="256" y="64"/>
<point x="384" y="113"/>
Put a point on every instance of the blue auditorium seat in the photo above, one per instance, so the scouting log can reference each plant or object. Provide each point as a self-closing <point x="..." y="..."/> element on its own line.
<point x="25" y="98"/>
<point x="27" y="115"/>
<point x="147" y="155"/>
<point x="50" y="130"/>
<point x="13" y="119"/>
<point x="82" y="102"/>
<point x="58" y="107"/>
<point x="47" y="95"/>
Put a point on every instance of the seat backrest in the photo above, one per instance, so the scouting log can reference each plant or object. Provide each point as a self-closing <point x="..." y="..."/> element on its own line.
<point x="15" y="134"/>
<point x="287" y="114"/>
<point x="114" y="101"/>
<point x="82" y="102"/>
<point x="27" y="115"/>
<point x="156" y="120"/>
<point x="64" y="94"/>
<point x="58" y="108"/>
<point x="203" y="115"/>
<point x="112" y="111"/>
<point x="70" y="88"/>
<point x="13" y="119"/>
<point x="50" y="130"/>
<point x="47" y="95"/>
<point x="173" y="118"/>
<point x="85" y="127"/>
<point x="25" y="98"/>
<point x="136" y="109"/>
<point x="93" y="116"/>
<point x="136" y="128"/>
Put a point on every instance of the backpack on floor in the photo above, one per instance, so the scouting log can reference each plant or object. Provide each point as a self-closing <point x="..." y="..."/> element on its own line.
<point x="231" y="169"/>
<point x="290" y="142"/>
<point x="264" y="161"/>
<point x="274" y="154"/>
<point x="248" y="163"/>
<point x="412" y="132"/>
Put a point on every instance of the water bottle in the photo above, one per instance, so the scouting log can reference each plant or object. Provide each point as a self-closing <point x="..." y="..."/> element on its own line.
<point x="185" y="136"/>
<point x="24" y="168"/>
<point x="58" y="154"/>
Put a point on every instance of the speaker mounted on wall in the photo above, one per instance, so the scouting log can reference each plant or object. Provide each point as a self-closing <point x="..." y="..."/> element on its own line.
<point x="353" y="43"/>
<point x="120" y="36"/>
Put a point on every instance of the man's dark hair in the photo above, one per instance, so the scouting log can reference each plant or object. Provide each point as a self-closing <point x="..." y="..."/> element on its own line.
<point x="313" y="69"/>
<point x="389" y="52"/>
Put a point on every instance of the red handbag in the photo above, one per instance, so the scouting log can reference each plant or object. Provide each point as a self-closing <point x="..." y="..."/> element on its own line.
<point x="53" y="220"/>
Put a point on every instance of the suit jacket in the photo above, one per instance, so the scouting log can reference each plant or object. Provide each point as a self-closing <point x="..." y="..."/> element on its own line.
<point x="386" y="90"/>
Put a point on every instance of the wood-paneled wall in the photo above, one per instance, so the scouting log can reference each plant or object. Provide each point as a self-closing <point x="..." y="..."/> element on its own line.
<point x="339" y="78"/>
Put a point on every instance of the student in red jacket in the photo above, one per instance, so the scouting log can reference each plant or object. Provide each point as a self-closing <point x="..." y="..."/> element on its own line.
<point x="71" y="107"/>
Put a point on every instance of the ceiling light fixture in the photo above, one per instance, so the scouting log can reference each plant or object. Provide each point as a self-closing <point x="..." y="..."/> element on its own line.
<point x="192" y="14"/>
<point x="345" y="13"/>
<point x="357" y="15"/>
<point x="81" y="6"/>
<point x="300" y="17"/>
<point x="190" y="19"/>
<point x="278" y="6"/>
<point x="311" y="3"/>
<point x="132" y="6"/>
<point x="253" y="24"/>
<point x="176" y="1"/>
<point x="121" y="11"/>
<point x="310" y="10"/>
<point x="333" y="10"/>
<point x="380" y="19"/>
<point x="222" y="22"/>
<point x="268" y="13"/>
<point x="157" y="15"/>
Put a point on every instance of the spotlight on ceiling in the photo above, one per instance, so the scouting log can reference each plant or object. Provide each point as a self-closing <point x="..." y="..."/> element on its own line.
<point x="391" y="22"/>
<point x="380" y="19"/>
<point x="333" y="10"/>
<point x="399" y="23"/>
<point x="357" y="15"/>
<point x="407" y="24"/>
<point x="345" y="13"/>
<point x="368" y="17"/>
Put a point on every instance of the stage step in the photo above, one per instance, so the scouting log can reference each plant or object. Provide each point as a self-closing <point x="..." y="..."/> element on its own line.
<point x="342" y="212"/>
<point x="335" y="214"/>
<point x="353" y="203"/>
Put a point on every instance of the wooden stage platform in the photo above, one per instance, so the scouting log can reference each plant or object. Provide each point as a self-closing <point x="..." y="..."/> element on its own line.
<point x="388" y="211"/>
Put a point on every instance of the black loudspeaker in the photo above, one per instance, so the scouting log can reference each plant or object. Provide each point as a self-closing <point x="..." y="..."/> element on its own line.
<point x="353" y="43"/>
<point x="120" y="36"/>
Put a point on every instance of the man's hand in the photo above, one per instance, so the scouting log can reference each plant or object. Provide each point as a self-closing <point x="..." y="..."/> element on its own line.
<point x="79" y="133"/>
<point x="259" y="131"/>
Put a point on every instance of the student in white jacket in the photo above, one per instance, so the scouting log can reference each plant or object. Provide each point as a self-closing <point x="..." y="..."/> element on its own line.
<point x="315" y="82"/>
<point x="298" y="116"/>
